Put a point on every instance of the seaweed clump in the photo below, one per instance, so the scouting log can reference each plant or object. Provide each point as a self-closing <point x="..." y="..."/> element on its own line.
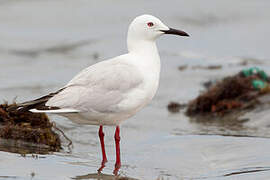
<point x="27" y="126"/>
<point x="238" y="92"/>
<point x="175" y="107"/>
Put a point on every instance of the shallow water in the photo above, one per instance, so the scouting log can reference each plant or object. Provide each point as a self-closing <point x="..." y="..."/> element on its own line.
<point x="45" y="43"/>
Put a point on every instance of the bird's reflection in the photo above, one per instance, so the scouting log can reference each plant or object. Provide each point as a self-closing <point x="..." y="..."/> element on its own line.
<point x="101" y="176"/>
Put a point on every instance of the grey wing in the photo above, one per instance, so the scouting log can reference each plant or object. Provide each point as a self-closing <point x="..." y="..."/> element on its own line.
<point x="99" y="88"/>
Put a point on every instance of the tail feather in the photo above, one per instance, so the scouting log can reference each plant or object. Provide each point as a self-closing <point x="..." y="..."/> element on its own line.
<point x="36" y="104"/>
<point x="55" y="111"/>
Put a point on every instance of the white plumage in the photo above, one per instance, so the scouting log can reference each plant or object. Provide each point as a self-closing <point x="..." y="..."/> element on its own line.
<point x="113" y="90"/>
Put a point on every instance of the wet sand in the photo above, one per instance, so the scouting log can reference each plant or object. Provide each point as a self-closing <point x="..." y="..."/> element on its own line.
<point x="45" y="43"/>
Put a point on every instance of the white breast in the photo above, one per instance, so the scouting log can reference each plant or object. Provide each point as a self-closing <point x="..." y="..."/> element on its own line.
<point x="149" y="67"/>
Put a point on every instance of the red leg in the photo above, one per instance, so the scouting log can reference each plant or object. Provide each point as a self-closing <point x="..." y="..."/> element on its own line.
<point x="117" y="146"/>
<point x="104" y="157"/>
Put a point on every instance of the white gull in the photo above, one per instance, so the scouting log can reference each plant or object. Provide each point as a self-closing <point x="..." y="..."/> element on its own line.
<point x="111" y="91"/>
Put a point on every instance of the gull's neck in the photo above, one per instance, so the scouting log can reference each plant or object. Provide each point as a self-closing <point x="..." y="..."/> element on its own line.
<point x="145" y="55"/>
<point x="146" y="51"/>
<point x="144" y="47"/>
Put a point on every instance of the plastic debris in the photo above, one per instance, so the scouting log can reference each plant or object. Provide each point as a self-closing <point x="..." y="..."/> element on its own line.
<point x="233" y="93"/>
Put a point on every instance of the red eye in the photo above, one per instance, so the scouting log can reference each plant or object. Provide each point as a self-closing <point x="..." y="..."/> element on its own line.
<point x="150" y="24"/>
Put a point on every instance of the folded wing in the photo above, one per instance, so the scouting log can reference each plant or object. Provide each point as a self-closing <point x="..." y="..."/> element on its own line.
<point x="98" y="88"/>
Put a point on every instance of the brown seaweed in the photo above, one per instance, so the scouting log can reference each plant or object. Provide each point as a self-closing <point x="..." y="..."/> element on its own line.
<point x="27" y="126"/>
<point x="230" y="94"/>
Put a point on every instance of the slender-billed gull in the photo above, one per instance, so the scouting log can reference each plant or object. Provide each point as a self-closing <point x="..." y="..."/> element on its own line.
<point x="111" y="91"/>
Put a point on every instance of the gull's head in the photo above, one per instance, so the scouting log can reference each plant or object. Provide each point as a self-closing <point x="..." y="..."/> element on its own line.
<point x="148" y="27"/>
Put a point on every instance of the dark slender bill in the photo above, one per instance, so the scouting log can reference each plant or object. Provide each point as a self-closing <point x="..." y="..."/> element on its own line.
<point x="175" y="32"/>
